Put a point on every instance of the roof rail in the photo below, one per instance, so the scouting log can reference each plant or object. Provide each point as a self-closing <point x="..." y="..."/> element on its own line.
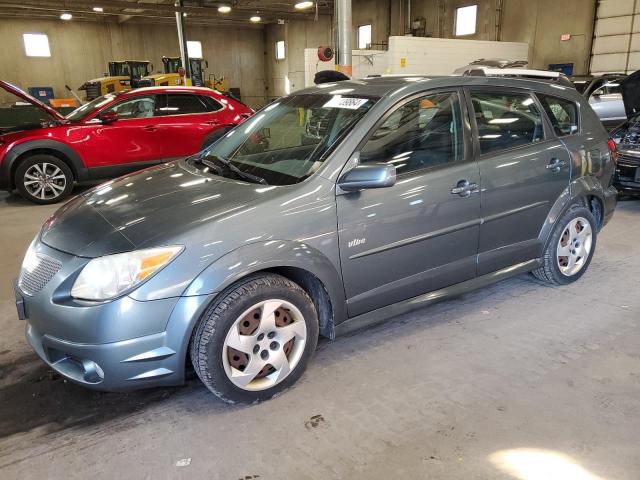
<point x="511" y="72"/>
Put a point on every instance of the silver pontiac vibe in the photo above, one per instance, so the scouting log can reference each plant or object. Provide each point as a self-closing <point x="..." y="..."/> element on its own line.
<point x="330" y="209"/>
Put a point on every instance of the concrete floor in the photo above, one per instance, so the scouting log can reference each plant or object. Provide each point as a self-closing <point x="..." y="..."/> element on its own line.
<point x="518" y="380"/>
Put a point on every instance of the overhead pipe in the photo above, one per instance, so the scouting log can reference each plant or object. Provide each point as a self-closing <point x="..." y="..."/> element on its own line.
<point x="343" y="28"/>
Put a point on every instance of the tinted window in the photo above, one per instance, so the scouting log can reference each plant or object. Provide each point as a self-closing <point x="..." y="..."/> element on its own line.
<point x="211" y="103"/>
<point x="142" y="106"/>
<point x="182" y="103"/>
<point x="562" y="113"/>
<point x="422" y="133"/>
<point x="506" y="120"/>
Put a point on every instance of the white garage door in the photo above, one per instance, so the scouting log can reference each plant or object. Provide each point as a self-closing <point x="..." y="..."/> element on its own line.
<point x="616" y="38"/>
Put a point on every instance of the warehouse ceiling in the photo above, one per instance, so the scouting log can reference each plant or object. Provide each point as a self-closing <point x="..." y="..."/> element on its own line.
<point x="196" y="12"/>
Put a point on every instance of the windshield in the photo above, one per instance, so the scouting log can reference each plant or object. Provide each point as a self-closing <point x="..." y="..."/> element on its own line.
<point x="84" y="110"/>
<point x="287" y="141"/>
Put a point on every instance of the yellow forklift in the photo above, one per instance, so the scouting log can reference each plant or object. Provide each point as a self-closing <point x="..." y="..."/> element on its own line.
<point x="175" y="75"/>
<point x="123" y="75"/>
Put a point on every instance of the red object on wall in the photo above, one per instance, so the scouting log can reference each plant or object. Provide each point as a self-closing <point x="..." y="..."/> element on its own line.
<point x="325" y="54"/>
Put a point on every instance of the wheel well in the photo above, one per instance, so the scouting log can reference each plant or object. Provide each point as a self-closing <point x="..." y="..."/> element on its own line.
<point x="39" y="151"/>
<point x="597" y="209"/>
<point x="316" y="290"/>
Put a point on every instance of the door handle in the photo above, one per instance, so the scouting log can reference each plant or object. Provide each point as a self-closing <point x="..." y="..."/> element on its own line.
<point x="150" y="128"/>
<point x="556" y="165"/>
<point x="464" y="188"/>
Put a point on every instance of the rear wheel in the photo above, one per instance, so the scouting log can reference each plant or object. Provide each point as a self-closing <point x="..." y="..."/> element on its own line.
<point x="44" y="179"/>
<point x="570" y="248"/>
<point x="256" y="340"/>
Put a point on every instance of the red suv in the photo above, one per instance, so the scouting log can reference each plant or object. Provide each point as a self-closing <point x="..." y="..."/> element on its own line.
<point x="110" y="136"/>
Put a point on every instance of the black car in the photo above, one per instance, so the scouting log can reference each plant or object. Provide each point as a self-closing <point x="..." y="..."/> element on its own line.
<point x="627" y="138"/>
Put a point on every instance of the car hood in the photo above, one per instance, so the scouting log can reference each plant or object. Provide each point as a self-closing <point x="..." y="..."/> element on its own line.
<point x="630" y="87"/>
<point x="150" y="208"/>
<point x="32" y="100"/>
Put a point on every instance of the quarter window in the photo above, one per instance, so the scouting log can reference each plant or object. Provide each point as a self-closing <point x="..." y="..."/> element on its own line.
<point x="562" y="113"/>
<point x="422" y="133"/>
<point x="142" y="106"/>
<point x="506" y="120"/>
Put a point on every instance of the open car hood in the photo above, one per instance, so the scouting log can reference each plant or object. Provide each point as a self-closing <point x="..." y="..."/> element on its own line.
<point x="630" y="87"/>
<point x="32" y="100"/>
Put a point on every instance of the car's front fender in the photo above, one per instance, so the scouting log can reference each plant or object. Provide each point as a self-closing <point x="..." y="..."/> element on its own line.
<point x="274" y="254"/>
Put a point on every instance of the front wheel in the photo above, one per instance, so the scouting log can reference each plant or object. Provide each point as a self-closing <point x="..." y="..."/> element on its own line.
<point x="44" y="179"/>
<point x="570" y="248"/>
<point x="256" y="340"/>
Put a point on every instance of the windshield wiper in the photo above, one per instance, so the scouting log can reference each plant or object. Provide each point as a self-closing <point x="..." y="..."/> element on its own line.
<point x="227" y="163"/>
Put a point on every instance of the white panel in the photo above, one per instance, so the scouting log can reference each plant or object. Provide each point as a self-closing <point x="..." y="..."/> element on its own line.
<point x="614" y="8"/>
<point x="609" y="62"/>
<point x="613" y="26"/>
<point x="610" y="44"/>
<point x="439" y="56"/>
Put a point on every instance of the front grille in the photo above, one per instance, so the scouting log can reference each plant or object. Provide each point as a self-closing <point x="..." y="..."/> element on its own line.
<point x="33" y="281"/>
<point x="94" y="90"/>
<point x="628" y="160"/>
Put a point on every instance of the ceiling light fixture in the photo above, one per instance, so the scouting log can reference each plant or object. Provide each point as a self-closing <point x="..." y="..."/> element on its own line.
<point x="66" y="16"/>
<point x="255" y="19"/>
<point x="224" y="8"/>
<point x="98" y="9"/>
<point x="303" y="5"/>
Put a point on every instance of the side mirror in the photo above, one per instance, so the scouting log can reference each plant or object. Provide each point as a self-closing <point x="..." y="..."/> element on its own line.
<point x="598" y="92"/>
<point x="374" y="175"/>
<point x="108" y="117"/>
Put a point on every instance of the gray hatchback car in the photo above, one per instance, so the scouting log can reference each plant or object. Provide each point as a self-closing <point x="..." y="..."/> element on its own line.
<point x="330" y="209"/>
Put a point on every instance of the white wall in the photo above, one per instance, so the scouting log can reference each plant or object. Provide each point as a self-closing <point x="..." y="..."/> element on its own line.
<point x="425" y="56"/>
<point x="440" y="56"/>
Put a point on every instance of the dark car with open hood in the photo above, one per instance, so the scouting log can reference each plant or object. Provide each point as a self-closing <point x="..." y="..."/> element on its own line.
<point x="109" y="136"/>
<point x="330" y="209"/>
<point x="627" y="138"/>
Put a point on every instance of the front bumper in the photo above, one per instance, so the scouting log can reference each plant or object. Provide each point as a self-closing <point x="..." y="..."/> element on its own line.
<point x="627" y="175"/>
<point x="120" y="345"/>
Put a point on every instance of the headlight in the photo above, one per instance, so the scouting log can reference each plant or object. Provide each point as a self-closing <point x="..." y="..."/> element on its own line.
<point x="104" y="278"/>
<point x="31" y="260"/>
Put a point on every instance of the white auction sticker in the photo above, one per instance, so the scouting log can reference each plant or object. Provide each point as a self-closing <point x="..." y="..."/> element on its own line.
<point x="339" y="101"/>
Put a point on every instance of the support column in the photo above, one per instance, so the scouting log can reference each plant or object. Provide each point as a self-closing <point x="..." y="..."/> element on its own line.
<point x="184" y="54"/>
<point x="343" y="29"/>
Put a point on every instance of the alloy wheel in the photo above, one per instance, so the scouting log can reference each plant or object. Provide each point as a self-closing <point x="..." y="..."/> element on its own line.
<point x="45" y="181"/>
<point x="264" y="345"/>
<point x="574" y="246"/>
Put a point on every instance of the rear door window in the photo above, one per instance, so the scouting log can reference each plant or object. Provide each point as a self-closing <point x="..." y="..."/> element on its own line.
<point x="506" y="120"/>
<point x="184" y="103"/>
<point x="562" y="113"/>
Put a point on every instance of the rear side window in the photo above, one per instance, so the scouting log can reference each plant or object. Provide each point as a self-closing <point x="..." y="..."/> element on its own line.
<point x="422" y="133"/>
<point x="506" y="120"/>
<point x="183" y="103"/>
<point x="562" y="113"/>
<point x="211" y="103"/>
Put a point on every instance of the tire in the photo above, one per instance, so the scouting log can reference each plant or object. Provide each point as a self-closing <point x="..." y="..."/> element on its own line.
<point x="576" y="225"/>
<point x="43" y="179"/>
<point x="240" y="317"/>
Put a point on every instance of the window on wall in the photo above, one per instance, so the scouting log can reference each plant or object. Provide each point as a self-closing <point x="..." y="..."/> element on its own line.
<point x="465" y="20"/>
<point x="280" y="50"/>
<point x="36" y="45"/>
<point x="364" y="36"/>
<point x="194" y="49"/>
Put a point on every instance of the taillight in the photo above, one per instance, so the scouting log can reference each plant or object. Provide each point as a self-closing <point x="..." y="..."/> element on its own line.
<point x="613" y="150"/>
